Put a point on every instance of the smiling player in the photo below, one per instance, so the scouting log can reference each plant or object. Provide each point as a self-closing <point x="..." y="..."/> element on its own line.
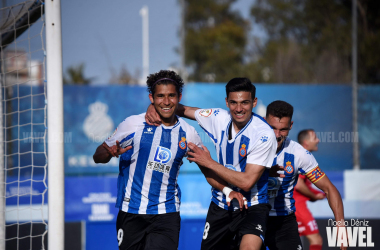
<point x="150" y="157"/>
<point x="245" y="146"/>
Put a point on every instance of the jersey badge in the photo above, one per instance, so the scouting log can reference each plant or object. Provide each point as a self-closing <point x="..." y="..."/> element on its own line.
<point x="205" y="112"/>
<point x="264" y="138"/>
<point x="182" y="143"/>
<point x="242" y="150"/>
<point x="289" y="168"/>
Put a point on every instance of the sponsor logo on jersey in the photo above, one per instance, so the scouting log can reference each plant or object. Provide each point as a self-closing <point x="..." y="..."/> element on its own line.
<point x="264" y="138"/>
<point x="242" y="150"/>
<point x="308" y="152"/>
<point x="289" y="168"/>
<point x="205" y="112"/>
<point x="160" y="167"/>
<point x="163" y="155"/>
<point x="149" y="130"/>
<point x="216" y="111"/>
<point x="182" y="143"/>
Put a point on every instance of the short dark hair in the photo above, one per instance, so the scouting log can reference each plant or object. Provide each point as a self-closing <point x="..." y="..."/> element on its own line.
<point x="241" y="84"/>
<point x="303" y="135"/>
<point x="164" y="77"/>
<point x="280" y="109"/>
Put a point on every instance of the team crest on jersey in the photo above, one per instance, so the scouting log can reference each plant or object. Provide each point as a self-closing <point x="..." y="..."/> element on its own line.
<point x="289" y="168"/>
<point x="162" y="155"/>
<point x="242" y="150"/>
<point x="182" y="143"/>
<point x="205" y="112"/>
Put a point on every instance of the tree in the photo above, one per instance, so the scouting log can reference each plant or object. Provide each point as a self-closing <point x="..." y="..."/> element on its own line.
<point x="124" y="77"/>
<point x="75" y="75"/>
<point x="215" y="40"/>
<point x="310" y="41"/>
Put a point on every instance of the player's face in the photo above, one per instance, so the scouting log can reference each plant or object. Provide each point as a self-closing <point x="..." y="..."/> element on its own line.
<point x="281" y="127"/>
<point x="313" y="141"/>
<point x="240" y="105"/>
<point x="166" y="100"/>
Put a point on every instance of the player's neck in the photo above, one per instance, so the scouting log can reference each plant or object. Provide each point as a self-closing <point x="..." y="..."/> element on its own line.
<point x="168" y="122"/>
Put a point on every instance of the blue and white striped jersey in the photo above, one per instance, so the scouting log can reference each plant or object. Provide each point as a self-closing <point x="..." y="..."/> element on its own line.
<point x="296" y="160"/>
<point x="254" y="144"/>
<point x="147" y="182"/>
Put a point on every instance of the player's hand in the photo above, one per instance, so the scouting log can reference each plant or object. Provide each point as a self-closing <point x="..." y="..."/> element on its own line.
<point x="274" y="169"/>
<point x="152" y="117"/>
<point x="199" y="156"/>
<point x="240" y="198"/>
<point x="319" y="196"/>
<point x="116" y="150"/>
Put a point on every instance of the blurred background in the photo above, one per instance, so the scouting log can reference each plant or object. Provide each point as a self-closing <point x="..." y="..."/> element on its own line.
<point x="305" y="52"/>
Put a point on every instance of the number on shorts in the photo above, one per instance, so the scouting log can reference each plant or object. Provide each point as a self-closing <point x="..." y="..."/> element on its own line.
<point x="120" y="234"/>
<point x="205" y="232"/>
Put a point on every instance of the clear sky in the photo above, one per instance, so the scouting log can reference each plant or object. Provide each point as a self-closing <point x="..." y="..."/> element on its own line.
<point x="105" y="35"/>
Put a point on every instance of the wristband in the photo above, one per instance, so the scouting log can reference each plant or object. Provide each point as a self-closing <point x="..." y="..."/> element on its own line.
<point x="226" y="191"/>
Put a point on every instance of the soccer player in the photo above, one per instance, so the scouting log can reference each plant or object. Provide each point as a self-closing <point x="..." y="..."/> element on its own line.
<point x="307" y="226"/>
<point x="150" y="157"/>
<point x="282" y="229"/>
<point x="245" y="146"/>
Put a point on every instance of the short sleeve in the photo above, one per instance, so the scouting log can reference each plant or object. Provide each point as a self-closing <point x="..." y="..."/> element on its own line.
<point x="124" y="133"/>
<point x="210" y="121"/>
<point x="194" y="137"/>
<point x="305" y="161"/>
<point x="264" y="150"/>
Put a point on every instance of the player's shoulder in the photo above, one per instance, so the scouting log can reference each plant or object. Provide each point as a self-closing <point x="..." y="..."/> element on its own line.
<point x="184" y="125"/>
<point x="260" y="129"/>
<point x="298" y="149"/>
<point x="133" y="120"/>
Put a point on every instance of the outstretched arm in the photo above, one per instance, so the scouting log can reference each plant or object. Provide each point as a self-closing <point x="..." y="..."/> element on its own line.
<point x="243" y="180"/>
<point x="153" y="118"/>
<point x="304" y="190"/>
<point x="104" y="153"/>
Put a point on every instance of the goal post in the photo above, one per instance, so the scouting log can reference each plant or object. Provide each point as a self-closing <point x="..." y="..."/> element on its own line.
<point x="55" y="125"/>
<point x="31" y="126"/>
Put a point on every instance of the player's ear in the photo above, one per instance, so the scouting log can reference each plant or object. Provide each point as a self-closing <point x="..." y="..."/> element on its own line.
<point x="179" y="97"/>
<point x="151" y="98"/>
<point x="291" y="125"/>
<point x="254" y="102"/>
<point x="227" y="102"/>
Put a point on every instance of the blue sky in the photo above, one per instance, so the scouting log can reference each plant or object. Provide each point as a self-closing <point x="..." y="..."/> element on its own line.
<point x="105" y="35"/>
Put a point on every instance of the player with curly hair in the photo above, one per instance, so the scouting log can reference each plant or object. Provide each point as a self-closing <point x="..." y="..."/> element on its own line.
<point x="150" y="157"/>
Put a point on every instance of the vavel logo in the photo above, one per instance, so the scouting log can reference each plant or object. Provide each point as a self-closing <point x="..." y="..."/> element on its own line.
<point x="354" y="234"/>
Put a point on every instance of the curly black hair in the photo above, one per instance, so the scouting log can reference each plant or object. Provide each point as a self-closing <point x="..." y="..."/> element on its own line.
<point x="280" y="109"/>
<point x="169" y="74"/>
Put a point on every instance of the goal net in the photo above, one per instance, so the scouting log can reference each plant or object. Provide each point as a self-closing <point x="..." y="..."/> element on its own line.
<point x="23" y="121"/>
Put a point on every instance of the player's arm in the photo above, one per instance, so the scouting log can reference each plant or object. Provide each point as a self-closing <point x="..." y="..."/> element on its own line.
<point x="216" y="182"/>
<point x="243" y="180"/>
<point x="302" y="188"/>
<point x="104" y="153"/>
<point x="153" y="118"/>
